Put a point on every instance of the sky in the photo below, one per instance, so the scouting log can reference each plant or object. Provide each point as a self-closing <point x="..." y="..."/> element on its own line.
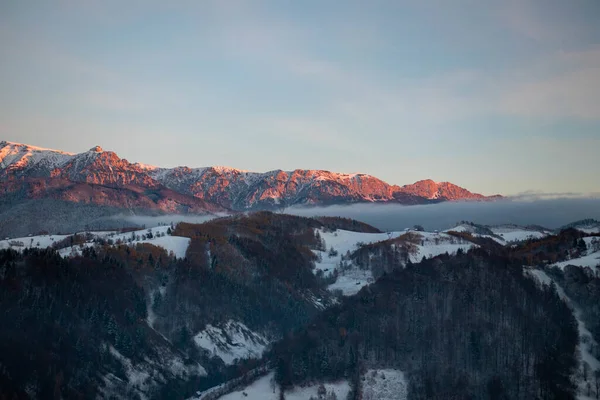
<point x="498" y="96"/>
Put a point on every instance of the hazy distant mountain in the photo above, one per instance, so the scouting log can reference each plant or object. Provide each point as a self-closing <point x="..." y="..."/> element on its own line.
<point x="101" y="177"/>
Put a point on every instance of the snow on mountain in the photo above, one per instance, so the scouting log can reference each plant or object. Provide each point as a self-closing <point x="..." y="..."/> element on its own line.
<point x="340" y="389"/>
<point x="340" y="244"/>
<point x="502" y="234"/>
<point x="587" y="344"/>
<point x="433" y="244"/>
<point x="232" y="341"/>
<point x="223" y="186"/>
<point x="377" y="384"/>
<point x="175" y="244"/>
<point x="265" y="388"/>
<point x="513" y="233"/>
<point x="590" y="259"/>
<point x="588" y="226"/>
<point x="384" y="384"/>
<point x="15" y="156"/>
<point x="37" y="241"/>
<point x="142" y="375"/>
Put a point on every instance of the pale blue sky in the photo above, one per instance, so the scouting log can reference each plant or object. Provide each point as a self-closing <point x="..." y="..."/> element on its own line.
<point x="497" y="96"/>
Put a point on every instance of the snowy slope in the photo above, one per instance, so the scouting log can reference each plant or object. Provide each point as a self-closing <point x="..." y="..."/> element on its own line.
<point x="434" y="244"/>
<point x="343" y="242"/>
<point x="517" y="234"/>
<point x="265" y="388"/>
<point x="591" y="260"/>
<point x="176" y="244"/>
<point x="502" y="234"/>
<point x="142" y="374"/>
<point x="232" y="341"/>
<point x="340" y="389"/>
<point x="261" y="389"/>
<point x="384" y="384"/>
<point x="587" y="342"/>
<point x="351" y="280"/>
<point x="38" y="241"/>
<point x="17" y="155"/>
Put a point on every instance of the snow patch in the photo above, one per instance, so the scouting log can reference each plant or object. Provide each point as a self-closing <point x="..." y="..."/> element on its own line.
<point x="384" y="384"/>
<point x="264" y="388"/>
<point x="38" y="241"/>
<point x="352" y="279"/>
<point x="341" y="390"/>
<point x="233" y="341"/>
<point x="587" y="341"/>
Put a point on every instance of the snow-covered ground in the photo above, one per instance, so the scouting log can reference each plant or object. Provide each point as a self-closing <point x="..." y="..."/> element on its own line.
<point x="340" y="389"/>
<point x="434" y="244"/>
<point x="384" y="384"/>
<point x="262" y="389"/>
<point x="343" y="242"/>
<point x="351" y="280"/>
<point x="590" y="230"/>
<point x="38" y="241"/>
<point x="512" y="234"/>
<point x="176" y="244"/>
<point x="232" y="341"/>
<point x="502" y="234"/>
<point x="586" y="339"/>
<point x="265" y="388"/>
<point x="591" y="260"/>
<point x="142" y="376"/>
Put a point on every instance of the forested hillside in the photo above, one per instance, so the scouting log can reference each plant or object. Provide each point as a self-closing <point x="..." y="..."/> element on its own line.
<point x="470" y="326"/>
<point x="132" y="320"/>
<point x="128" y="319"/>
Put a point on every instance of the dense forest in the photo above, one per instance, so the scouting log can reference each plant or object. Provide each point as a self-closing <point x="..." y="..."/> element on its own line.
<point x="118" y="320"/>
<point x="72" y="327"/>
<point x="471" y="326"/>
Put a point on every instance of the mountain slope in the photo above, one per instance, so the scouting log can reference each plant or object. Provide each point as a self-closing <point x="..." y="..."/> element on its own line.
<point x="449" y="324"/>
<point x="211" y="188"/>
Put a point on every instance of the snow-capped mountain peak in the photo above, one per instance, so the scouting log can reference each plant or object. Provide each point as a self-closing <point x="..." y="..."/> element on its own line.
<point x="226" y="187"/>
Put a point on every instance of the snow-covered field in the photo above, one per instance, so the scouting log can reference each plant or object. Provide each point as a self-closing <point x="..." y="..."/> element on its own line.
<point x="502" y="234"/>
<point x="384" y="384"/>
<point x="343" y="242"/>
<point x="350" y="281"/>
<point x="591" y="260"/>
<point x="159" y="237"/>
<point x="265" y="388"/>
<point x="232" y="341"/>
<point x="434" y="244"/>
<point x="142" y="376"/>
<point x="516" y="234"/>
<point x="261" y="389"/>
<point x="38" y="241"/>
<point x="587" y="341"/>
<point x="340" y="389"/>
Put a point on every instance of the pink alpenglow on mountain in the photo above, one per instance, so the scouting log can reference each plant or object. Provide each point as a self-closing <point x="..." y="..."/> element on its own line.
<point x="103" y="178"/>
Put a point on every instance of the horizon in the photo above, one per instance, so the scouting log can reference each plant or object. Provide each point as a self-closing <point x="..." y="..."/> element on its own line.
<point x="400" y="91"/>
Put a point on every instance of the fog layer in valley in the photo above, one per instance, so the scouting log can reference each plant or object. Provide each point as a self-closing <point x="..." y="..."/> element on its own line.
<point x="551" y="214"/>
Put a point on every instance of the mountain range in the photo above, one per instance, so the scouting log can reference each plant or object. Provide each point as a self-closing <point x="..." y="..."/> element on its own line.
<point x="102" y="178"/>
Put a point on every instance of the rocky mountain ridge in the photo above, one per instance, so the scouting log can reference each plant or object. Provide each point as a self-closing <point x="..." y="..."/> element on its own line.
<point x="184" y="189"/>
